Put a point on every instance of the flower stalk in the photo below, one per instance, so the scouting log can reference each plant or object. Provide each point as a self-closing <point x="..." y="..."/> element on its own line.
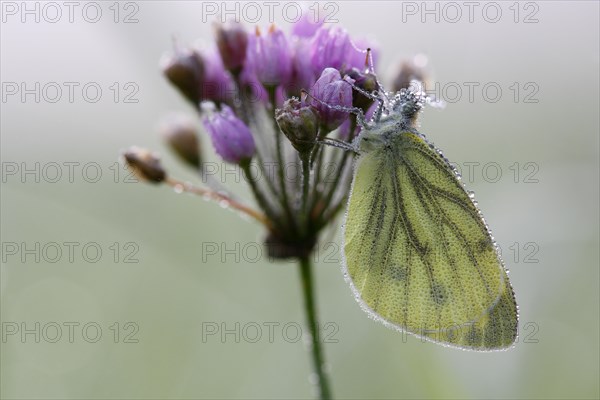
<point x="209" y="194"/>
<point x="310" y="309"/>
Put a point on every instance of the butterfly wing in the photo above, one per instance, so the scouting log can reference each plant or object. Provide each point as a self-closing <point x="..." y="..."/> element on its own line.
<point x="419" y="255"/>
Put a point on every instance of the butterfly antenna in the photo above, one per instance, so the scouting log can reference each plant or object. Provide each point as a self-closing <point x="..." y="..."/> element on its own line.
<point x="371" y="69"/>
<point x="369" y="62"/>
<point x="378" y="99"/>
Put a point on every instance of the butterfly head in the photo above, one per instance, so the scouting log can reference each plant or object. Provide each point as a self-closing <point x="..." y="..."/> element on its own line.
<point x="406" y="105"/>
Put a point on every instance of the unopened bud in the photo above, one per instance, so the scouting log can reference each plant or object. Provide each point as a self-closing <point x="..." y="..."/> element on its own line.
<point x="185" y="70"/>
<point x="366" y="82"/>
<point x="231" y="137"/>
<point x="144" y="164"/>
<point x="300" y="124"/>
<point x="232" y="41"/>
<point x="181" y="134"/>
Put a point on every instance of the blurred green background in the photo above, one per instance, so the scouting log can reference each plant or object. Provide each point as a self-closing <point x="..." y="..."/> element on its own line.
<point x="545" y="218"/>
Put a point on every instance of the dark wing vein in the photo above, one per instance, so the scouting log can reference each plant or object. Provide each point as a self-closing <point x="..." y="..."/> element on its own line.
<point x="451" y="224"/>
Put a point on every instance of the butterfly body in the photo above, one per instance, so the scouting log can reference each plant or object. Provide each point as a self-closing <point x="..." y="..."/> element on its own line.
<point x="418" y="254"/>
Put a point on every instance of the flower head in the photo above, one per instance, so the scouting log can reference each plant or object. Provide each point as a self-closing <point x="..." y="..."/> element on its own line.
<point x="269" y="57"/>
<point x="331" y="93"/>
<point x="231" y="138"/>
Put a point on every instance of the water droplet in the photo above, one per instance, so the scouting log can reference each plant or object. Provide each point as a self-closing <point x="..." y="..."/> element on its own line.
<point x="224" y="203"/>
<point x="471" y="194"/>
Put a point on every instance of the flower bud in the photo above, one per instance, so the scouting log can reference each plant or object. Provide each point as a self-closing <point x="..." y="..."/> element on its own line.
<point x="232" y="41"/>
<point x="231" y="138"/>
<point x="217" y="86"/>
<point x="185" y="70"/>
<point x="366" y="82"/>
<point x="299" y="124"/>
<point x="270" y="57"/>
<point x="329" y="92"/>
<point x="144" y="164"/>
<point x="181" y="135"/>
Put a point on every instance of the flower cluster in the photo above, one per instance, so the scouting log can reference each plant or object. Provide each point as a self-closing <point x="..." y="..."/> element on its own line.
<point x="266" y="96"/>
<point x="269" y="96"/>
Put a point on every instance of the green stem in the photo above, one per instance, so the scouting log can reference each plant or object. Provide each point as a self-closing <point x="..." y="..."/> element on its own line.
<point x="313" y="325"/>
<point x="305" y="160"/>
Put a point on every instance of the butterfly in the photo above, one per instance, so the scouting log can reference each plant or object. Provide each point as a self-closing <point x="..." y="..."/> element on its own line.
<point x="417" y="252"/>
